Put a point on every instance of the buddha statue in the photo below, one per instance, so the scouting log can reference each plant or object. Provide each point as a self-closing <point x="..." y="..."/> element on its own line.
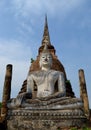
<point x="50" y="85"/>
<point x="46" y="78"/>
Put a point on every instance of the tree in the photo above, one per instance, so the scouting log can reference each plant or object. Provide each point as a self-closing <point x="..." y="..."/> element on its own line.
<point x="0" y="104"/>
<point x="32" y="60"/>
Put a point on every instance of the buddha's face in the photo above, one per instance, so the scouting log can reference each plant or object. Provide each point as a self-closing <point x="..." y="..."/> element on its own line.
<point x="46" y="60"/>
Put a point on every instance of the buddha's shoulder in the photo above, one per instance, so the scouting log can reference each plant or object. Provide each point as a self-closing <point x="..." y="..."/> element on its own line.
<point x="56" y="72"/>
<point x="36" y="72"/>
<point x="41" y="72"/>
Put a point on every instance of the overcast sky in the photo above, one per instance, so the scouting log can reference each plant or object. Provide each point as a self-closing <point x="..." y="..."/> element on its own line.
<point x="21" y="30"/>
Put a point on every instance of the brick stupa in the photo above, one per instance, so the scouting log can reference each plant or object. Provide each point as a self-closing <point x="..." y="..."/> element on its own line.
<point x="57" y="65"/>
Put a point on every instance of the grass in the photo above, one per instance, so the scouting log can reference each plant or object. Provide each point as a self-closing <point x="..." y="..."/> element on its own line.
<point x="84" y="128"/>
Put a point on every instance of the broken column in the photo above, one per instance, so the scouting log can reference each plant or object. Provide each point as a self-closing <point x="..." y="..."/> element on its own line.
<point x="83" y="92"/>
<point x="6" y="90"/>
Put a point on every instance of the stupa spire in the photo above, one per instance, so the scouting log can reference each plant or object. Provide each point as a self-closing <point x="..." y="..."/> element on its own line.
<point x="45" y="50"/>
<point x="46" y="36"/>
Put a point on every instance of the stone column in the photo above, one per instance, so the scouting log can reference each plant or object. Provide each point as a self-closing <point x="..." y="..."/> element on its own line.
<point x="83" y="92"/>
<point x="6" y="90"/>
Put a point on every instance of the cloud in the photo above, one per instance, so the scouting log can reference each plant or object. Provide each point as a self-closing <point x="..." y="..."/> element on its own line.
<point x="18" y="54"/>
<point x="29" y="13"/>
<point x="20" y="71"/>
<point x="14" y="49"/>
<point x="38" y="7"/>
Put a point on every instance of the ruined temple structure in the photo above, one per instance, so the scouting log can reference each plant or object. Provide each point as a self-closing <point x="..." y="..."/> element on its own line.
<point x="58" y="110"/>
<point x="57" y="65"/>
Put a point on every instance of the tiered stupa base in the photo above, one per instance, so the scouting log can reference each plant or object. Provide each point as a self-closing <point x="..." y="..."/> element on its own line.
<point x="23" y="119"/>
<point x="41" y="119"/>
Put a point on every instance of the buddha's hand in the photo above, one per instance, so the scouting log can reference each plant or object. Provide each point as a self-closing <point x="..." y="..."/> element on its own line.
<point x="59" y="94"/>
<point x="28" y="95"/>
<point x="53" y="96"/>
<point x="25" y="95"/>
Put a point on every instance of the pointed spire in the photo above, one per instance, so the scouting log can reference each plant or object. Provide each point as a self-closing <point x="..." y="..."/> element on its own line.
<point x="45" y="50"/>
<point x="46" y="37"/>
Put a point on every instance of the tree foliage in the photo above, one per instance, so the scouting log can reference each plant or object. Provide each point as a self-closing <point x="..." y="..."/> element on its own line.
<point x="32" y="60"/>
<point x="0" y="104"/>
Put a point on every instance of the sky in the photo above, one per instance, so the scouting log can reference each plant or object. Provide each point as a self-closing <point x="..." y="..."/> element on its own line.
<point x="21" y="31"/>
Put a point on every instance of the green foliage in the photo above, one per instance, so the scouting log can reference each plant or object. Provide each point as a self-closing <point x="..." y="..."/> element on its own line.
<point x="0" y="104"/>
<point x="32" y="60"/>
<point x="68" y="82"/>
<point x="58" y="129"/>
<point x="84" y="128"/>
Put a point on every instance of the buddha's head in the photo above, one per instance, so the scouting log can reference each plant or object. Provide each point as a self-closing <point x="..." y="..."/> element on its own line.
<point x="45" y="58"/>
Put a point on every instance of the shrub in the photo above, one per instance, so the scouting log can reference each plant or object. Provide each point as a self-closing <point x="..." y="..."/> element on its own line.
<point x="0" y="104"/>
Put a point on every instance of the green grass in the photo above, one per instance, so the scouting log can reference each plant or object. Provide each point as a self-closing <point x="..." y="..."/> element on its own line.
<point x="84" y="128"/>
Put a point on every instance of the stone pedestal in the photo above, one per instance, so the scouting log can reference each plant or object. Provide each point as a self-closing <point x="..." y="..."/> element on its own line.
<point x="27" y="119"/>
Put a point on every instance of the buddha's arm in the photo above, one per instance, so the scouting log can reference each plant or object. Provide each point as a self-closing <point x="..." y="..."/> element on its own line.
<point x="61" y="85"/>
<point x="30" y="84"/>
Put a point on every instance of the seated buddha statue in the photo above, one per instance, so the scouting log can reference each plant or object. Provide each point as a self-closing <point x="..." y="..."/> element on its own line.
<point x="50" y="88"/>
<point x="46" y="78"/>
